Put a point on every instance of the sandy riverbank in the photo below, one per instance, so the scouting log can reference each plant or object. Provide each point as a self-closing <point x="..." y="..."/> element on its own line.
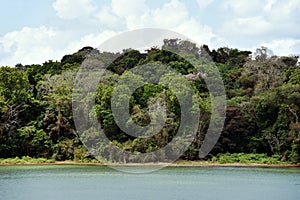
<point x="176" y="164"/>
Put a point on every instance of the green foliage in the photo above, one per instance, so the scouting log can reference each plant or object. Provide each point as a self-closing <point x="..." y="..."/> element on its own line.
<point x="35" y="143"/>
<point x="237" y="100"/>
<point x="56" y="95"/>
<point x="247" y="158"/>
<point x="26" y="160"/>
<point x="14" y="87"/>
<point x="262" y="118"/>
<point x="126" y="61"/>
<point x="294" y="77"/>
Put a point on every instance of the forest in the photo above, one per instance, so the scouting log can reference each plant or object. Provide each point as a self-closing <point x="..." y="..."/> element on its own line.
<point x="262" y="114"/>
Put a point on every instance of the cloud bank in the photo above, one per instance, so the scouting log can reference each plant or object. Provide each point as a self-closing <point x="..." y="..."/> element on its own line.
<point x="233" y="23"/>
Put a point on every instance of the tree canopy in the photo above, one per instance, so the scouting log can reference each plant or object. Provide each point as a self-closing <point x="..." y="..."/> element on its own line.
<point x="262" y="116"/>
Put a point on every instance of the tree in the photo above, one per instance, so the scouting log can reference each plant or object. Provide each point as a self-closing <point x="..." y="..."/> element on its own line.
<point x="15" y="97"/>
<point x="267" y="70"/>
<point x="56" y="93"/>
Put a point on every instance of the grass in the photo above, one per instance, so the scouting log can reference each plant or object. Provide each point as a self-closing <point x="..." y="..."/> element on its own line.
<point x="220" y="159"/>
<point x="238" y="159"/>
<point x="26" y="160"/>
<point x="247" y="158"/>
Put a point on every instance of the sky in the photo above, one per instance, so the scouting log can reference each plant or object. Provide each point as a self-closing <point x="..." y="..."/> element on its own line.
<point x="35" y="31"/>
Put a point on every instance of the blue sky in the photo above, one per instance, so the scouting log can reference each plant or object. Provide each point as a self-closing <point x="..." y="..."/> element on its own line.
<point x="34" y="31"/>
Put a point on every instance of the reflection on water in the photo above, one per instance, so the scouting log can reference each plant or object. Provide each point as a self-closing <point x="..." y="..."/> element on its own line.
<point x="96" y="182"/>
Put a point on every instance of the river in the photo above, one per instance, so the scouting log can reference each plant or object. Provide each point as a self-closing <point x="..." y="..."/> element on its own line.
<point x="77" y="182"/>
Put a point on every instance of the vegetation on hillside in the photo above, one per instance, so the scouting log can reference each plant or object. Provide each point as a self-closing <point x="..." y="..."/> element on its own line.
<point x="262" y="116"/>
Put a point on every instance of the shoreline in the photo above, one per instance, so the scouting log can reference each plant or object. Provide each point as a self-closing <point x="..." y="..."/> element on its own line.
<point x="176" y="164"/>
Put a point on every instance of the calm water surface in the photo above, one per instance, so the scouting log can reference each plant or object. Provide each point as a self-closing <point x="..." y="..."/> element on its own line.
<point x="176" y="183"/>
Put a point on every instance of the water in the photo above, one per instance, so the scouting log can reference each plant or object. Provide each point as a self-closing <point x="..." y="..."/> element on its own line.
<point x="176" y="183"/>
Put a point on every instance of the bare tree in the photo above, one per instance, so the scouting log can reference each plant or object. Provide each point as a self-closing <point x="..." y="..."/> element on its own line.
<point x="10" y="119"/>
<point x="267" y="70"/>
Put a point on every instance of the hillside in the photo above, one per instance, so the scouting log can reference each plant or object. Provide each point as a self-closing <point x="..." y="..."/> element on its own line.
<point x="262" y="116"/>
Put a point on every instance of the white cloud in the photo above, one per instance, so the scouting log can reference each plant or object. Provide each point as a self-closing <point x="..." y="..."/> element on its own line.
<point x="107" y="17"/>
<point x="240" y="24"/>
<point x="201" y="34"/>
<point x="204" y="3"/>
<point x="261" y="22"/>
<point x="93" y="40"/>
<point x="282" y="11"/>
<point x="251" y="26"/>
<point x="269" y="5"/>
<point x="71" y="9"/>
<point x="243" y="8"/>
<point x="129" y="8"/>
<point x="283" y="47"/>
<point x="261" y="18"/>
<point x="31" y="45"/>
<point x="172" y="15"/>
<point x="37" y="45"/>
<point x="133" y="13"/>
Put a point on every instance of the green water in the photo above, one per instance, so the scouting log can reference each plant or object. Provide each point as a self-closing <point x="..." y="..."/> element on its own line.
<point x="176" y="183"/>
